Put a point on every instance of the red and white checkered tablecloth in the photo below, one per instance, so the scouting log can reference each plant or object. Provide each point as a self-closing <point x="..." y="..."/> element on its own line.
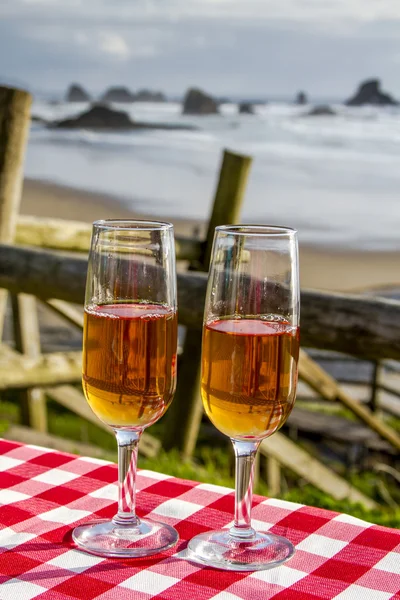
<point x="44" y="494"/>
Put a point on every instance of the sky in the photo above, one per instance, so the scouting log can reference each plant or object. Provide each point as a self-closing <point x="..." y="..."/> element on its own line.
<point x="246" y="48"/>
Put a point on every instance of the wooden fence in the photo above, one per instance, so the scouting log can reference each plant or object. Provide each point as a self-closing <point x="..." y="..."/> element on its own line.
<point x="50" y="276"/>
<point x="364" y="327"/>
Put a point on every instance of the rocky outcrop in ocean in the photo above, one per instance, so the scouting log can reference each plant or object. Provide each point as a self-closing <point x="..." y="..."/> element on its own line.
<point x="246" y="108"/>
<point x="301" y="98"/>
<point x="76" y="93"/>
<point x="101" y="117"/>
<point x="369" y="92"/>
<point x="321" y="110"/>
<point x="196" y="102"/>
<point x="118" y="94"/>
<point x="150" y="96"/>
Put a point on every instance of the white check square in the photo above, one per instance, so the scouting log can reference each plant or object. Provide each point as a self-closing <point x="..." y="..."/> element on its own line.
<point x="389" y="563"/>
<point x="177" y="509"/>
<point x="10" y="496"/>
<point x="6" y="463"/>
<point x="357" y="591"/>
<point x="42" y="449"/>
<point x="216" y="489"/>
<point x="64" y="515"/>
<point x="75" y="561"/>
<point x="226" y="596"/>
<point x="149" y="582"/>
<point x="282" y="504"/>
<point x="55" y="477"/>
<point x="10" y="538"/>
<point x="283" y="576"/>
<point x="255" y="523"/>
<point x="23" y="590"/>
<point x="108" y="492"/>
<point x="352" y="520"/>
<point x="95" y="461"/>
<point x="321" y="545"/>
<point x="153" y="475"/>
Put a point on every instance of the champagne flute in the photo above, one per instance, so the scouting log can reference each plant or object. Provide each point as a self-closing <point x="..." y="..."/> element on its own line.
<point x="129" y="365"/>
<point x="250" y="353"/>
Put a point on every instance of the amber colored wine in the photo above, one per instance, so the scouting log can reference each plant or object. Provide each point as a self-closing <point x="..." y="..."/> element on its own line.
<point x="129" y="362"/>
<point x="249" y="375"/>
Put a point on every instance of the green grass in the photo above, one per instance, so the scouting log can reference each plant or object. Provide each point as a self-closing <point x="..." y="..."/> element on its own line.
<point x="214" y="464"/>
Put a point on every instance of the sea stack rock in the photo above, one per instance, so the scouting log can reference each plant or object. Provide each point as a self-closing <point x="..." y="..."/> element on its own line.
<point x="150" y="96"/>
<point x="197" y="102"/>
<point x="97" y="117"/>
<point x="103" y="118"/>
<point x="321" y="110"/>
<point x="301" y="98"/>
<point x="118" y="94"/>
<point x="369" y="92"/>
<point x="76" y="93"/>
<point x="246" y="108"/>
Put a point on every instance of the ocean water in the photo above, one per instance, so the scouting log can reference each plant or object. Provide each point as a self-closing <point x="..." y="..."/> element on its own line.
<point x="335" y="179"/>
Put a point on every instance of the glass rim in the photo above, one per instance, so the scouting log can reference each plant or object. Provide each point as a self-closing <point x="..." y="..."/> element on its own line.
<point x="141" y="224"/>
<point x="257" y="229"/>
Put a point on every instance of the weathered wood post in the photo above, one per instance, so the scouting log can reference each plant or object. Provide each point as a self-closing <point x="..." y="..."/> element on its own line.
<point x="27" y="341"/>
<point x="14" y="127"/>
<point x="183" y="420"/>
<point x="273" y="476"/>
<point x="377" y="373"/>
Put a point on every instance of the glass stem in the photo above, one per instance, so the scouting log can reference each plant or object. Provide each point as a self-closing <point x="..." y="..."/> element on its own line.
<point x="245" y="453"/>
<point x="128" y="442"/>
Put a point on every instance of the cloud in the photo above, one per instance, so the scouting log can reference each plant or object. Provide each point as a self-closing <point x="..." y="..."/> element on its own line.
<point x="296" y="10"/>
<point x="246" y="47"/>
<point x="322" y="11"/>
<point x="114" y="44"/>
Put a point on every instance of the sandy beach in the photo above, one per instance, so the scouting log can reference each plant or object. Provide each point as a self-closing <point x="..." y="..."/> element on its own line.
<point x="347" y="271"/>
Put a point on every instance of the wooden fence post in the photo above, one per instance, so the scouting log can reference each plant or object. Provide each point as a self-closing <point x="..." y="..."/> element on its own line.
<point x="183" y="419"/>
<point x="273" y="476"/>
<point x="27" y="341"/>
<point x="14" y="126"/>
<point x="377" y="373"/>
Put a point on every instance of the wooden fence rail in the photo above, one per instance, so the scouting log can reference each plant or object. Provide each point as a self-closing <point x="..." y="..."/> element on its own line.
<point x="362" y="326"/>
<point x="74" y="236"/>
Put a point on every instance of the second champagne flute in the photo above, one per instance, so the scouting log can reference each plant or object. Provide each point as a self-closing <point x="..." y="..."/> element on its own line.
<point x="129" y="365"/>
<point x="249" y="372"/>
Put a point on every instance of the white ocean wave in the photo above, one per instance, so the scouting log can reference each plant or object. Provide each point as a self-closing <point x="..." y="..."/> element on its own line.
<point x="334" y="178"/>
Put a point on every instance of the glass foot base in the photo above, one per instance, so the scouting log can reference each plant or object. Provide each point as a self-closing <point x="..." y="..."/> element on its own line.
<point x="105" y="538"/>
<point x="221" y="550"/>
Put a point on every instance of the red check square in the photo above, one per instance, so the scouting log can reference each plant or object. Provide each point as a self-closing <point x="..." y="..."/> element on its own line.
<point x="7" y="446"/>
<point x="302" y="521"/>
<point x="82" y="587"/>
<point x="9" y="479"/>
<point x="343" y="571"/>
<point x="60" y="495"/>
<point x="51" y="460"/>
<point x="373" y="537"/>
<point x="295" y="595"/>
<point x="169" y="488"/>
<point x="13" y="564"/>
<point x="205" y="577"/>
<point x="105" y="473"/>
<point x="224" y="504"/>
<point x="10" y="515"/>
